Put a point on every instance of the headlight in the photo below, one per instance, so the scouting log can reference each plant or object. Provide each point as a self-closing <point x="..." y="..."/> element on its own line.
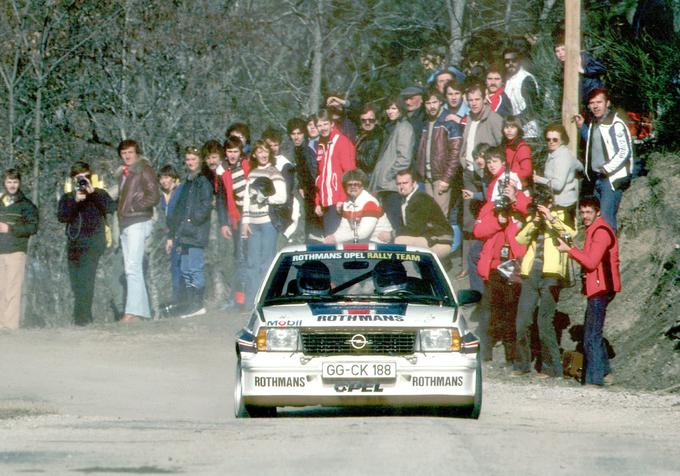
<point x="441" y="339"/>
<point x="277" y="339"/>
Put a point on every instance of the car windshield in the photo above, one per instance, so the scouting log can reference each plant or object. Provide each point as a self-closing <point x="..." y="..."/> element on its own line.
<point x="338" y="275"/>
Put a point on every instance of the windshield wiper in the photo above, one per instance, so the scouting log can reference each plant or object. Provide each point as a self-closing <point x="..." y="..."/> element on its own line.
<point x="300" y="298"/>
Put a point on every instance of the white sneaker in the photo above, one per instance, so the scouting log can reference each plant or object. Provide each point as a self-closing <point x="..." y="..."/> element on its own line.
<point x="200" y="312"/>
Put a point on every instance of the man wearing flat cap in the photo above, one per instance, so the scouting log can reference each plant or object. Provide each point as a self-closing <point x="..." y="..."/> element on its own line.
<point x="413" y="101"/>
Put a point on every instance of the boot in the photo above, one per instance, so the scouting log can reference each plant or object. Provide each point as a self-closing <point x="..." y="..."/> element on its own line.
<point x="195" y="303"/>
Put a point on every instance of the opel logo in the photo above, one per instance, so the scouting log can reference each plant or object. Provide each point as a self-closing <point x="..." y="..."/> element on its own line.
<point x="358" y="341"/>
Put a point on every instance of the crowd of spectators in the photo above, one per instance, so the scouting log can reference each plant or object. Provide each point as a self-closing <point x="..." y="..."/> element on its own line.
<point x="448" y="165"/>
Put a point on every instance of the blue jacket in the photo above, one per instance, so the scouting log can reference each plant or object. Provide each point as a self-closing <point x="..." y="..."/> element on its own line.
<point x="189" y="221"/>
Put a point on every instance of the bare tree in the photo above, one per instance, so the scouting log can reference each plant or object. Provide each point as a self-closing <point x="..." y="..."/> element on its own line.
<point x="456" y="11"/>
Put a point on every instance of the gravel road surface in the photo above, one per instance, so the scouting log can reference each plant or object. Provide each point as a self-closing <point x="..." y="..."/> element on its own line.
<point x="156" y="398"/>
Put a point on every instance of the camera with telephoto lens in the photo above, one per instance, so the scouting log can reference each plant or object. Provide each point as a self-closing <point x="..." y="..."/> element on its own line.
<point x="541" y="196"/>
<point x="82" y="184"/>
<point x="503" y="202"/>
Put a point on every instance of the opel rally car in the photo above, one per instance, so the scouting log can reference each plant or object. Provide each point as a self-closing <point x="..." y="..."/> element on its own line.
<point x="358" y="325"/>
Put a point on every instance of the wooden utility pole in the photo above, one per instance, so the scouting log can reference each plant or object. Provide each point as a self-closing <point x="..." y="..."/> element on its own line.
<point x="572" y="44"/>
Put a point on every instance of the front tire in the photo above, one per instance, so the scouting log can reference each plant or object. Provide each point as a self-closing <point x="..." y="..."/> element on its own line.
<point x="239" y="406"/>
<point x="475" y="409"/>
<point x="241" y="410"/>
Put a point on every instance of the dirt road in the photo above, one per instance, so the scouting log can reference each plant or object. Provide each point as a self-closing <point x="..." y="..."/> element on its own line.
<point x="156" y="398"/>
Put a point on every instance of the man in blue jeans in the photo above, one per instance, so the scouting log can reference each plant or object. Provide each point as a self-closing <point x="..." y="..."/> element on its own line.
<point x="136" y="200"/>
<point x="599" y="259"/>
<point x="608" y="155"/>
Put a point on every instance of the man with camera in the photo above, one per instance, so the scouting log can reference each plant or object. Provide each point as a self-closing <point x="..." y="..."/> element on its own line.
<point x="84" y="211"/>
<point x="543" y="269"/>
<point x="599" y="259"/>
<point x="18" y="221"/>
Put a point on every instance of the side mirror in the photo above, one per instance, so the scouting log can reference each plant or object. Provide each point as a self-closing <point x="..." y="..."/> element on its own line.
<point x="468" y="296"/>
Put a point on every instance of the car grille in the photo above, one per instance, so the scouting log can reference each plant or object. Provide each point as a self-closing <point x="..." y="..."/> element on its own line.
<point x="377" y="343"/>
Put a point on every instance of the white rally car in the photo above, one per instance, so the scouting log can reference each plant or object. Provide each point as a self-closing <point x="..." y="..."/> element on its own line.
<point x="358" y="325"/>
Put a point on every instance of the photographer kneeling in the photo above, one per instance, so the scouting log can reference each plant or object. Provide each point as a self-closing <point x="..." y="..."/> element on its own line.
<point x="84" y="211"/>
<point x="543" y="269"/>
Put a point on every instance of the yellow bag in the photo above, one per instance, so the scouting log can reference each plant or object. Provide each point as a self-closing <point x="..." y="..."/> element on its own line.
<point x="572" y="363"/>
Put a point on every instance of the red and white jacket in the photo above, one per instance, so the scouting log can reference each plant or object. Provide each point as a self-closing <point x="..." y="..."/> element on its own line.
<point x="367" y="216"/>
<point x="334" y="157"/>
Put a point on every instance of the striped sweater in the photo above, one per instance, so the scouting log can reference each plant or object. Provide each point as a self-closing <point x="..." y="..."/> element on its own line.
<point x="255" y="206"/>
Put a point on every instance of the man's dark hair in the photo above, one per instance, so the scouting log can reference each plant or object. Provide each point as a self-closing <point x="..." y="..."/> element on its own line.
<point x="312" y="118"/>
<point x="80" y="167"/>
<point x="272" y="134"/>
<point x="455" y="85"/>
<point x="12" y="174"/>
<point x="296" y="123"/>
<point x="495" y="68"/>
<point x="496" y="153"/>
<point x="432" y="91"/>
<point x="241" y="128"/>
<point x="514" y="121"/>
<point x="212" y="147"/>
<point x="127" y="144"/>
<point x="325" y="115"/>
<point x="168" y="171"/>
<point x="513" y="50"/>
<point x="370" y="108"/>
<point x="597" y="91"/>
<point x="354" y="175"/>
<point x="474" y="86"/>
<point x="559" y="128"/>
<point x="590" y="201"/>
<point x="232" y="143"/>
<point x="403" y="172"/>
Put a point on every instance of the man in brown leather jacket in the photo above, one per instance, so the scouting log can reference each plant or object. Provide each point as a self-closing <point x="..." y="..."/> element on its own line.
<point x="438" y="155"/>
<point x="137" y="198"/>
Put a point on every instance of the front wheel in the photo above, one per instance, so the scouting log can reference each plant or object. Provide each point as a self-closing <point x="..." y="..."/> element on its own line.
<point x="475" y="409"/>
<point x="241" y="410"/>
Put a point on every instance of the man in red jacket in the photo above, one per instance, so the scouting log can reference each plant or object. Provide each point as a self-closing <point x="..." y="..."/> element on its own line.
<point x="600" y="261"/>
<point x="335" y="155"/>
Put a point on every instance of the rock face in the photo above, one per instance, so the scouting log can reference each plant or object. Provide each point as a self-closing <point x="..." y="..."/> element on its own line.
<point x="649" y="304"/>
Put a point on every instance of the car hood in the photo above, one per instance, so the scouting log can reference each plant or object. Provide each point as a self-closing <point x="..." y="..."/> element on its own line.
<point x="398" y="314"/>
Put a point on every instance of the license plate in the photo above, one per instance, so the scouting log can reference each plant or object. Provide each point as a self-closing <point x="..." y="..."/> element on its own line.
<point x="359" y="370"/>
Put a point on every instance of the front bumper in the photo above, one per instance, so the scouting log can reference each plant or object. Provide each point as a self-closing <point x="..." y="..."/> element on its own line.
<point x="291" y="379"/>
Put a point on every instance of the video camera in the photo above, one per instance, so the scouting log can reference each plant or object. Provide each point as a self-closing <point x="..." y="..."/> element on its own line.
<point x="81" y="184"/>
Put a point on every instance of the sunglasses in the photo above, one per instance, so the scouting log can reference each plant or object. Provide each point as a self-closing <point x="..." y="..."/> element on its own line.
<point x="353" y="184"/>
<point x="368" y="121"/>
<point x="552" y="139"/>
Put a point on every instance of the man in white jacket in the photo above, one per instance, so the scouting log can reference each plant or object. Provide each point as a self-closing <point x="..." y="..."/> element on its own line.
<point x="363" y="219"/>
<point x="608" y="155"/>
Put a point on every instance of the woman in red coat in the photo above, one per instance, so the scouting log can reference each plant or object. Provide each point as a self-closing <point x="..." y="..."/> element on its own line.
<point x="517" y="152"/>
